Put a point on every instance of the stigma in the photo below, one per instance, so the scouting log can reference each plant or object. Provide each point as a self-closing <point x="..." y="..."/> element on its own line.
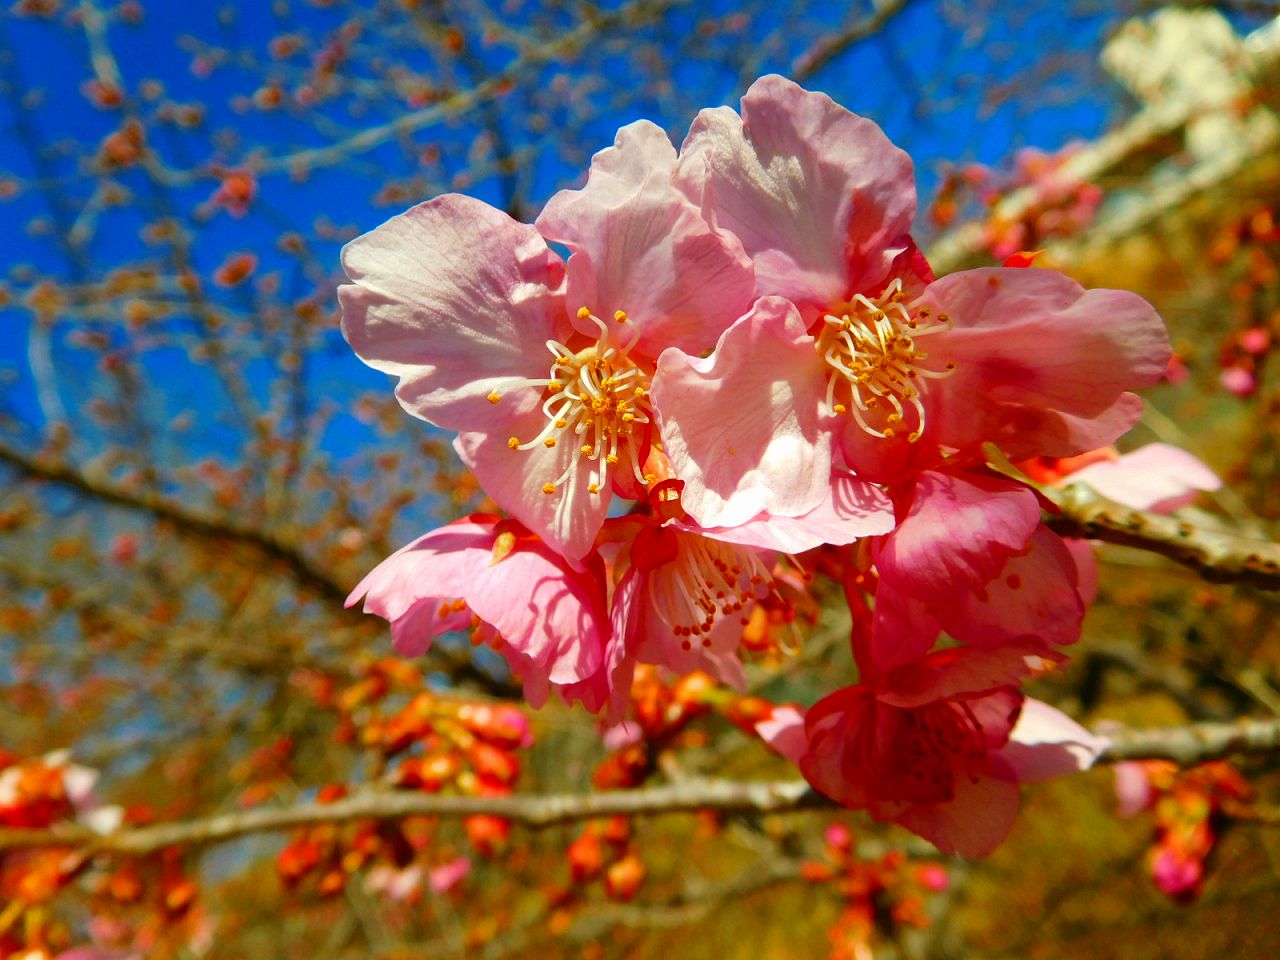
<point x="595" y="399"/>
<point x="875" y="362"/>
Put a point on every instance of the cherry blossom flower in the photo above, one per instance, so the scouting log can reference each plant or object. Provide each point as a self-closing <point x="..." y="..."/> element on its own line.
<point x="764" y="455"/>
<point x="683" y="599"/>
<point x="939" y="746"/>
<point x="492" y="576"/>
<point x="1158" y="476"/>
<point x="823" y="205"/>
<point x="543" y="367"/>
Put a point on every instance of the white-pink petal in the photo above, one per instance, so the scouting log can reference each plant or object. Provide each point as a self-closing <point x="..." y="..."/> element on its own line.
<point x="457" y="300"/>
<point x="640" y="246"/>
<point x="1046" y="743"/>
<point x="1157" y="476"/>
<point x="819" y="197"/>
<point x="743" y="427"/>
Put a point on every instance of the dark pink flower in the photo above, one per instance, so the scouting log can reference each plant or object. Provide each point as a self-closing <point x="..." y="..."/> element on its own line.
<point x="969" y="556"/>
<point x="938" y="746"/>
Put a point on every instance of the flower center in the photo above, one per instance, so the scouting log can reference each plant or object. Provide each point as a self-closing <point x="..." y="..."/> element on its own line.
<point x="707" y="581"/>
<point x="876" y="364"/>
<point x="933" y="745"/>
<point x="598" y="399"/>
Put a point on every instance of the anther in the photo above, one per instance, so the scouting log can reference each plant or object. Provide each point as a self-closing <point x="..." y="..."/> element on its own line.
<point x="494" y="397"/>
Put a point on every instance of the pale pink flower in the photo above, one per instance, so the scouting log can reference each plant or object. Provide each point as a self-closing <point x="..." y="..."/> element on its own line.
<point x="545" y="617"/>
<point x="1158" y="477"/>
<point x="1238" y="381"/>
<point x="823" y="204"/>
<point x="448" y="875"/>
<point x="397" y="883"/>
<point x="545" y="369"/>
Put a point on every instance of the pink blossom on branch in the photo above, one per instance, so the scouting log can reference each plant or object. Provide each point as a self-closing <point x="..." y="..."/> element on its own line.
<point x="823" y="203"/>
<point x="545" y="369"/>
<point x="938" y="746"/>
<point x="491" y="575"/>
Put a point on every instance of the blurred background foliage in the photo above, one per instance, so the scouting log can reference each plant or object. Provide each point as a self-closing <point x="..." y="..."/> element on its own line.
<point x="196" y="470"/>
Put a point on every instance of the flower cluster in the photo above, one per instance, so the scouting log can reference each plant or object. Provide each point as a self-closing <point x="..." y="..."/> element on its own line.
<point x="417" y="741"/>
<point x="746" y="346"/>
<point x="1189" y="807"/>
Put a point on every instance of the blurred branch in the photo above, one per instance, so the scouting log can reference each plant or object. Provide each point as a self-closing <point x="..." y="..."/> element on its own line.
<point x="1217" y="556"/>
<point x="188" y="521"/>
<point x="1185" y="745"/>
<point x="965" y="244"/>
<point x="831" y="46"/>
<point x="497" y="84"/>
<point x="305" y="572"/>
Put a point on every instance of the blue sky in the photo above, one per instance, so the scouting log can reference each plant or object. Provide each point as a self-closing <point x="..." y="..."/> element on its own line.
<point x="950" y="82"/>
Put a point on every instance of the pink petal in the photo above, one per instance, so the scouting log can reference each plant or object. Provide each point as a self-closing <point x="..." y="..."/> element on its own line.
<point x="640" y="246"/>
<point x="819" y="197"/>
<point x="1157" y="476"/>
<point x="958" y="533"/>
<point x="1086" y="570"/>
<point x="960" y="671"/>
<point x="1034" y="595"/>
<point x="851" y="509"/>
<point x="742" y="427"/>
<point x="835" y="728"/>
<point x="1046" y="743"/>
<point x="448" y="875"/>
<point x="570" y="516"/>
<point x="1133" y="787"/>
<point x="544" y="610"/>
<point x="1042" y="366"/>
<point x="457" y="300"/>
<point x="976" y="821"/>
<point x="784" y="732"/>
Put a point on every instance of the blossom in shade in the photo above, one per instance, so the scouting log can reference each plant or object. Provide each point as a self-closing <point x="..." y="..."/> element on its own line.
<point x="970" y="556"/>
<point x="823" y="205"/>
<point x="494" y="577"/>
<point x="544" y="367"/>
<point x="939" y="746"/>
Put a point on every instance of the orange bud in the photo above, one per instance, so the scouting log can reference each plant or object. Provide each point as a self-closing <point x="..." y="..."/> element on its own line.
<point x="586" y="856"/>
<point x="624" y="878"/>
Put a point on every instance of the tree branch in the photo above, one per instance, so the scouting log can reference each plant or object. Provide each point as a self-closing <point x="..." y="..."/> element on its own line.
<point x="1217" y="556"/>
<point x="1185" y="745"/>
<point x="830" y="47"/>
<point x="188" y="521"/>
<point x="319" y="580"/>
